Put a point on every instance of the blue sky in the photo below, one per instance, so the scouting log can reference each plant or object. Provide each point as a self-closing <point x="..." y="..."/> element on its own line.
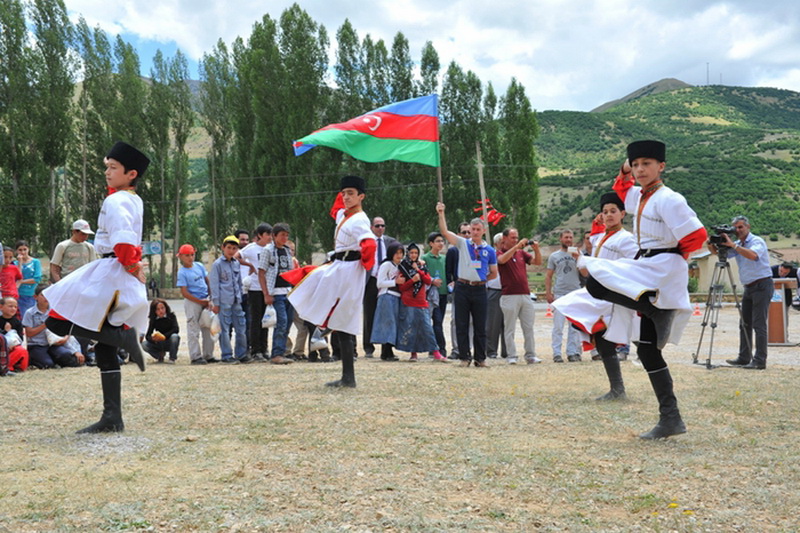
<point x="570" y="55"/>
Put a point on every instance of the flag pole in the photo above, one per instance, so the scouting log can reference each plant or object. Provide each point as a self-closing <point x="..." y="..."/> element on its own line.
<point x="439" y="180"/>
<point x="483" y="192"/>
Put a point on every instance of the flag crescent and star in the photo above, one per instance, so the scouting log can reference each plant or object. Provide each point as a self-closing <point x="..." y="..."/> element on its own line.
<point x="404" y="131"/>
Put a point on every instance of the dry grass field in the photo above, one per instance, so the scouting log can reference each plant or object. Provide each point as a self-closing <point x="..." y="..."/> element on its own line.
<point x="416" y="447"/>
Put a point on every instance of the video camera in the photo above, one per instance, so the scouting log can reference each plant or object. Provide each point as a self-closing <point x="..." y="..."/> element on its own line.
<point x="717" y="239"/>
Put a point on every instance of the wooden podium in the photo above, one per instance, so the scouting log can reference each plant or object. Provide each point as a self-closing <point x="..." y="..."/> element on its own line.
<point x="778" y="322"/>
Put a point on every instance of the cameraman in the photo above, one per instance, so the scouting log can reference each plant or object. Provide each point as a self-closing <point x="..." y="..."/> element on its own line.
<point x="752" y="258"/>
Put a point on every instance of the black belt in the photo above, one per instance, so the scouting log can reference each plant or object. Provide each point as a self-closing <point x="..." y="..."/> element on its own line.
<point x="650" y="252"/>
<point x="112" y="254"/>
<point x="756" y="281"/>
<point x="349" y="255"/>
<point x="471" y="283"/>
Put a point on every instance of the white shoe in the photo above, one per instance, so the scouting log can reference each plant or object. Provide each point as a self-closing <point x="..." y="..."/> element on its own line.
<point x="512" y="360"/>
<point x="534" y="360"/>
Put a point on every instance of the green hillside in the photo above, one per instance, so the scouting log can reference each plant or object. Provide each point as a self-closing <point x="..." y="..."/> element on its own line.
<point x="730" y="150"/>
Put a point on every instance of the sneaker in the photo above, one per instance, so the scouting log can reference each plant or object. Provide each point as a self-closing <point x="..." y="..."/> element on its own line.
<point x="280" y="360"/>
<point x="437" y="356"/>
<point x="212" y="360"/>
<point x="246" y="359"/>
<point x="465" y="363"/>
<point x="533" y="360"/>
<point x="230" y="361"/>
<point x="574" y="358"/>
<point x="481" y="364"/>
<point x="595" y="355"/>
<point x="413" y="358"/>
<point x="558" y="359"/>
<point x="199" y="362"/>
<point x="512" y="360"/>
<point x="259" y="358"/>
<point x="170" y="361"/>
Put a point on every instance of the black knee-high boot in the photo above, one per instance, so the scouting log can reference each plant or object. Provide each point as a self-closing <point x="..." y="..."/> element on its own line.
<point x="346" y="352"/>
<point x="608" y="351"/>
<point x="111" y="380"/>
<point x="669" y="421"/>
<point x="662" y="318"/>
<point x="127" y="339"/>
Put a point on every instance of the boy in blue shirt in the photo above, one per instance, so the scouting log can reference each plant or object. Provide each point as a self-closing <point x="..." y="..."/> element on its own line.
<point x="194" y="284"/>
<point x="226" y="295"/>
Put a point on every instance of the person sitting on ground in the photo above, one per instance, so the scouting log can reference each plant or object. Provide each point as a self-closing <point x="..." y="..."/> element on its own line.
<point x="47" y="351"/>
<point x="162" y="332"/>
<point x="11" y="327"/>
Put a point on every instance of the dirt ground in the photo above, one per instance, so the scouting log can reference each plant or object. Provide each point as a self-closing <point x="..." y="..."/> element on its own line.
<point x="416" y="447"/>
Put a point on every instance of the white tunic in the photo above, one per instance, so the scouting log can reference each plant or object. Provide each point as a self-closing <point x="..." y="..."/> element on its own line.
<point x="592" y="315"/>
<point x="665" y="219"/>
<point x="340" y="284"/>
<point x="102" y="289"/>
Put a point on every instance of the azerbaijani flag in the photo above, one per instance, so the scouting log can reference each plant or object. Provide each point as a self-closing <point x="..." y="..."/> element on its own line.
<point x="406" y="131"/>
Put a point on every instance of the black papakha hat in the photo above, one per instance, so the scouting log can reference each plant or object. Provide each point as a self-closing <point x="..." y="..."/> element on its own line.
<point x="652" y="149"/>
<point x="130" y="157"/>
<point x="354" y="182"/>
<point x="611" y="198"/>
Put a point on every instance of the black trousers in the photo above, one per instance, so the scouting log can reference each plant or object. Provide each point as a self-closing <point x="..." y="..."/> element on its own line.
<point x="370" y="302"/>
<point x="470" y="301"/>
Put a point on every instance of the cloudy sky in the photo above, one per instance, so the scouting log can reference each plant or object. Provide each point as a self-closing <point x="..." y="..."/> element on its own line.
<point x="569" y="55"/>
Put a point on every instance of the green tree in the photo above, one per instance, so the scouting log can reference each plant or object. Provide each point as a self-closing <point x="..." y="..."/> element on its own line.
<point x="401" y="69"/>
<point x="518" y="123"/>
<point x="429" y="67"/>
<point x="159" y="114"/>
<point x="182" y="122"/>
<point x="54" y="89"/>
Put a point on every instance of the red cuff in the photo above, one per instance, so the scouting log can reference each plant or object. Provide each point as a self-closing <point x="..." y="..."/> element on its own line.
<point x="693" y="241"/>
<point x="368" y="247"/>
<point x="127" y="254"/>
<point x="337" y="205"/>
<point x="597" y="227"/>
<point x="622" y="184"/>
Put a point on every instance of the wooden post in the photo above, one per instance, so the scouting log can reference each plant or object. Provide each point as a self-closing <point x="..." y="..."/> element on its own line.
<point x="439" y="180"/>
<point x="483" y="193"/>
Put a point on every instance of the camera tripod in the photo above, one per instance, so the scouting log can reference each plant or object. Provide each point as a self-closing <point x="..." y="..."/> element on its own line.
<point x="714" y="304"/>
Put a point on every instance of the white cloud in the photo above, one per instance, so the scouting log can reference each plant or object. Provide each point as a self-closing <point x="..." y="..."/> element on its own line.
<point x="568" y="55"/>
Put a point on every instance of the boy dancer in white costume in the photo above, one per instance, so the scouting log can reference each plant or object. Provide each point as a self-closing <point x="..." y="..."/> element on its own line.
<point x="331" y="296"/>
<point x="106" y="300"/>
<point x="667" y="230"/>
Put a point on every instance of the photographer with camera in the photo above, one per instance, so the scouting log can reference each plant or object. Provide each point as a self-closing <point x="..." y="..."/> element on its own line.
<point x="752" y="258"/>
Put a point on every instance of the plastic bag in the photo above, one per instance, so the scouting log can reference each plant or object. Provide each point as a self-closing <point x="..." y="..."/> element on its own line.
<point x="52" y="338"/>
<point x="215" y="327"/>
<point x="206" y="316"/>
<point x="12" y="339"/>
<point x="270" y="318"/>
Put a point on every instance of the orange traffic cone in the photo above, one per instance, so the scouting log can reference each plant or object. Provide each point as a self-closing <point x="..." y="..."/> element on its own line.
<point x="549" y="313"/>
<point x="696" y="310"/>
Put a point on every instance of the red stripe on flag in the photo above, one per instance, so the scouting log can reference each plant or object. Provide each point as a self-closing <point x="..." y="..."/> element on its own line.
<point x="390" y="126"/>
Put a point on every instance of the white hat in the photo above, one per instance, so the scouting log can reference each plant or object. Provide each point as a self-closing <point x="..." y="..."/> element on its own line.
<point x="82" y="225"/>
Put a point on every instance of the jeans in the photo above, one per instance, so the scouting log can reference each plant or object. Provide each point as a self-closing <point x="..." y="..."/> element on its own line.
<point x="470" y="301"/>
<point x="573" y="342"/>
<point x="158" y="349"/>
<point x="755" y="311"/>
<point x="284" y="312"/>
<point x="232" y="316"/>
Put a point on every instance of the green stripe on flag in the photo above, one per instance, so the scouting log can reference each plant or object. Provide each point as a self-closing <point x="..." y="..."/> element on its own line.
<point x="373" y="150"/>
